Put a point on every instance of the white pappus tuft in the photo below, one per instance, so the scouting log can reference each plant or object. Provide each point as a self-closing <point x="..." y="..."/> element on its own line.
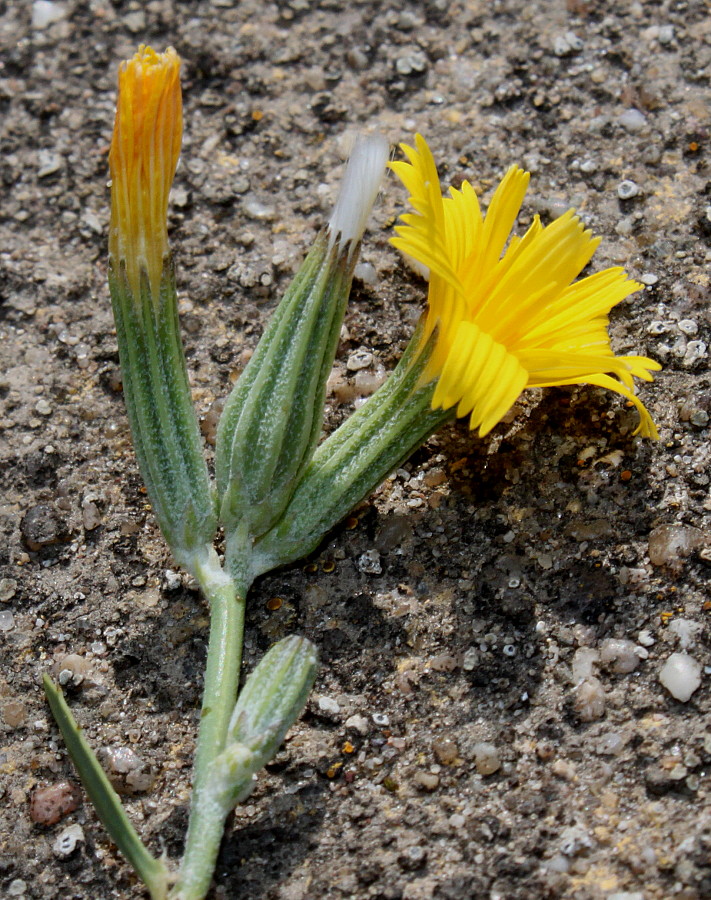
<point x="359" y="189"/>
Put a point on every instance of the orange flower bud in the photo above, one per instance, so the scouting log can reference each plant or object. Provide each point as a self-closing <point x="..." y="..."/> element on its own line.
<point x="144" y="153"/>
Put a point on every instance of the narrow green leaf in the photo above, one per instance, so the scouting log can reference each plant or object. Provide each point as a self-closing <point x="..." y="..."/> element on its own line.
<point x="272" y="420"/>
<point x="164" y="426"/>
<point x="353" y="461"/>
<point x="152" y="872"/>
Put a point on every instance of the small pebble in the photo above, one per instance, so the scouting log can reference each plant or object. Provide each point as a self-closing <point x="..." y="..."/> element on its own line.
<point x="413" y="858"/>
<point x="395" y="530"/>
<point x="666" y="34"/>
<point x="567" y="44"/>
<point x="381" y="719"/>
<point x="625" y="895"/>
<point x="7" y="620"/>
<point x="367" y="383"/>
<point x="695" y="350"/>
<point x="444" y="662"/>
<point x="657" y="327"/>
<point x="619" y="656"/>
<point x="366" y="273"/>
<point x="357" y="59"/>
<point x="632" y="120"/>
<point x="90" y="514"/>
<point x="645" y="638"/>
<point x="50" y="804"/>
<point x="445" y="751"/>
<point x="8" y="589"/>
<point x="126" y="770"/>
<point x="358" y="723"/>
<point x="558" y="863"/>
<point x="435" y="477"/>
<point x="610" y="744"/>
<point x="681" y="676"/>
<point x="470" y="660"/>
<point x="135" y="21"/>
<point x="627" y="189"/>
<point x="486" y="758"/>
<point x="575" y="839"/>
<point x="590" y="700"/>
<point x="686" y="630"/>
<point x="140" y="781"/>
<point x="407" y="20"/>
<point x="669" y="545"/>
<point x="121" y="760"/>
<point x="73" y="668"/>
<point x="255" y="209"/>
<point x="359" y="359"/>
<point x="173" y="580"/>
<point x="328" y="705"/>
<point x="180" y="197"/>
<point x="687" y="326"/>
<point x="14" y="713"/>
<point x="49" y="163"/>
<point x="369" y="563"/>
<point x="563" y="768"/>
<point x="649" y="278"/>
<point x="40" y="526"/>
<point x="426" y="780"/>
<point x="68" y="840"/>
<point x="16" y="888"/>
<point x="414" y="63"/>
<point x="583" y="661"/>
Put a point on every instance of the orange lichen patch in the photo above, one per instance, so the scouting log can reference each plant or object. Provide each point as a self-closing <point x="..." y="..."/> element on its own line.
<point x="334" y="769"/>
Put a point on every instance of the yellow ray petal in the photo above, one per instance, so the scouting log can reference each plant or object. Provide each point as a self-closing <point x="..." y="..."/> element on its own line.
<point x="480" y="377"/>
<point x="510" y="316"/>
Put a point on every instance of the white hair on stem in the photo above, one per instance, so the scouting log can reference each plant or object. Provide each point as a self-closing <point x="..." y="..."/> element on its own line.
<point x="359" y="189"/>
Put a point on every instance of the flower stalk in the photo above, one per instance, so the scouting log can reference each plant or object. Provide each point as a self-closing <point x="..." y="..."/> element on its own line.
<point x="224" y="659"/>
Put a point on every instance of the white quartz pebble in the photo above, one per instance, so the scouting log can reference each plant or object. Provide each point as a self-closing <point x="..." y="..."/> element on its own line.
<point x="681" y="676"/>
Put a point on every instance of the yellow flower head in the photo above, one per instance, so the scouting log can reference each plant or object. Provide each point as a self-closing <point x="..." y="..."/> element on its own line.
<point x="144" y="153"/>
<point x="510" y="318"/>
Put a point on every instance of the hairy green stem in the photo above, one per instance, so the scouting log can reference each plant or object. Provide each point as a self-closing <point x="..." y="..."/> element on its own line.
<point x="224" y="657"/>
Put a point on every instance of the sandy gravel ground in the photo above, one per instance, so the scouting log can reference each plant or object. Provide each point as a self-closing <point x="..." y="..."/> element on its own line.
<point x="488" y="720"/>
